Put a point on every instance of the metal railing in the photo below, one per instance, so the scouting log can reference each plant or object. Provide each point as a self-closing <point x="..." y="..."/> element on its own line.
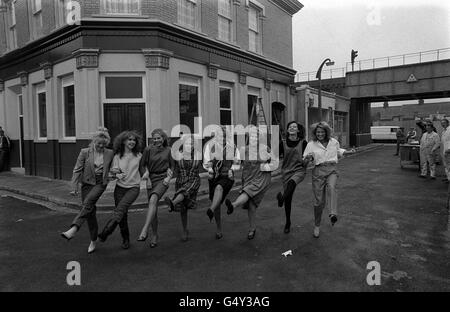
<point x="326" y="74"/>
<point x="399" y="60"/>
<point x="381" y="62"/>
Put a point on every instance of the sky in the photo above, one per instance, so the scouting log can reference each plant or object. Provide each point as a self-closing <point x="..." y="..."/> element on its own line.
<point x="375" y="28"/>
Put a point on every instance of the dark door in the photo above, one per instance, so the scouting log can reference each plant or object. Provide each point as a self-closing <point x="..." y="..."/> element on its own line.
<point x="125" y="116"/>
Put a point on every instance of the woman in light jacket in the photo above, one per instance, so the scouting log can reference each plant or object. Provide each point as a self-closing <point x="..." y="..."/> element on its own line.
<point x="157" y="169"/>
<point x="324" y="151"/>
<point x="91" y="169"/>
<point x="125" y="168"/>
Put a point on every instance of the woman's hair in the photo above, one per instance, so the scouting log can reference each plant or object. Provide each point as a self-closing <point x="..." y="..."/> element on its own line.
<point x="163" y="135"/>
<point x="322" y="125"/>
<point x="119" y="143"/>
<point x="301" y="130"/>
<point x="100" y="134"/>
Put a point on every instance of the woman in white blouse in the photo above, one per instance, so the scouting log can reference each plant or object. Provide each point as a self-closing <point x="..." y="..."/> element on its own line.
<point x="324" y="151"/>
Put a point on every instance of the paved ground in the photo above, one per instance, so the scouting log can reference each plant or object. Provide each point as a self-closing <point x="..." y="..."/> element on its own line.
<point x="387" y="215"/>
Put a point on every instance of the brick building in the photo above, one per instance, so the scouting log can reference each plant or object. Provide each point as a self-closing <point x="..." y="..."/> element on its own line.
<point x="136" y="64"/>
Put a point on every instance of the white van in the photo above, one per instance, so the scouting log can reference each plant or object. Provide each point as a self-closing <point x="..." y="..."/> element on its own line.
<point x="384" y="133"/>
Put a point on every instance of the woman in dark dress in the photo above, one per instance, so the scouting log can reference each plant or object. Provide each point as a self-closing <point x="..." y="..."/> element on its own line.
<point x="293" y="169"/>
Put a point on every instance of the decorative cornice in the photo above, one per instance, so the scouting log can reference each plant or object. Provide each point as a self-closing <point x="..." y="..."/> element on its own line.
<point x="157" y="58"/>
<point x="212" y="70"/>
<point x="290" y="6"/>
<point x="23" y="78"/>
<point x="2" y="85"/>
<point x="48" y="69"/>
<point x="292" y="89"/>
<point x="237" y="2"/>
<point x="243" y="77"/>
<point x="87" y="58"/>
<point x="268" y="83"/>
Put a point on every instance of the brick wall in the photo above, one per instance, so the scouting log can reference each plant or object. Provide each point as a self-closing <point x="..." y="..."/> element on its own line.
<point x="22" y="26"/>
<point x="242" y="26"/>
<point x="48" y="16"/>
<point x="209" y="18"/>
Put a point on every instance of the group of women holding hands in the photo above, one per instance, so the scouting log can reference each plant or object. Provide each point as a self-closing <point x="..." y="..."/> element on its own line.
<point x="97" y="165"/>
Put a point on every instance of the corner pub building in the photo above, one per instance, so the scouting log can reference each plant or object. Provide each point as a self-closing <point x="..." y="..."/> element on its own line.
<point x="136" y="64"/>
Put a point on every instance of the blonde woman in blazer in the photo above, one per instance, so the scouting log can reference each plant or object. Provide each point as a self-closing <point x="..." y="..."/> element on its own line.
<point x="91" y="170"/>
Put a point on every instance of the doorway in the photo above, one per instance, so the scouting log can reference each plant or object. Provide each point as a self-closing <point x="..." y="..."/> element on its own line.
<point x="120" y="117"/>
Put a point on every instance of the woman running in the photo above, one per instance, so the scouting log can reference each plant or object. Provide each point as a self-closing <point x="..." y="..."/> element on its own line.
<point x="186" y="185"/>
<point x="256" y="178"/>
<point x="324" y="151"/>
<point x="125" y="168"/>
<point x="156" y="167"/>
<point x="221" y="174"/>
<point x="91" y="170"/>
<point x="293" y="170"/>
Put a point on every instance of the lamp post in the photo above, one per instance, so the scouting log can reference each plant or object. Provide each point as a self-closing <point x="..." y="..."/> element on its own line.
<point x="327" y="62"/>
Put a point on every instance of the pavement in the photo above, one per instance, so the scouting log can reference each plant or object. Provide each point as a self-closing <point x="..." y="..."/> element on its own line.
<point x="58" y="191"/>
<point x="386" y="214"/>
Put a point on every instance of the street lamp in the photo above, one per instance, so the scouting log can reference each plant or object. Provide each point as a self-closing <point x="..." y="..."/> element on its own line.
<point x="327" y="62"/>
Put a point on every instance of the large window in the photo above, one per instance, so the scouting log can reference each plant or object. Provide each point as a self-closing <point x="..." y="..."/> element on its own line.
<point x="121" y="7"/>
<point x="68" y="107"/>
<point x="254" y="28"/>
<point x="61" y="12"/>
<point x="189" y="13"/>
<point x="11" y="19"/>
<point x="189" y="96"/>
<point x="41" y="103"/>
<point x="251" y="102"/>
<point x="37" y="23"/>
<point x="225" y="20"/>
<point x="225" y="105"/>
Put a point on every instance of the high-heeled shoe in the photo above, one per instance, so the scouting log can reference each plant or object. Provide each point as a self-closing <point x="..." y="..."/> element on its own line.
<point x="230" y="207"/>
<point x="92" y="247"/>
<point x="280" y="199"/>
<point x="142" y="238"/>
<point x="219" y="235"/>
<point x="185" y="236"/>
<point x="169" y="203"/>
<point x="210" y="214"/>
<point x="251" y="234"/>
<point x="333" y="219"/>
<point x="287" y="228"/>
<point x="154" y="242"/>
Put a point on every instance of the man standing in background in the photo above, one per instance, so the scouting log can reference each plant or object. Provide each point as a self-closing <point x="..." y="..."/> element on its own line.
<point x="4" y="151"/>
<point x="445" y="148"/>
<point x="400" y="139"/>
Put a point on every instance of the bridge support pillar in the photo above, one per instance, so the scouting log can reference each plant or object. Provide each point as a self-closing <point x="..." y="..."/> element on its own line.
<point x="360" y="122"/>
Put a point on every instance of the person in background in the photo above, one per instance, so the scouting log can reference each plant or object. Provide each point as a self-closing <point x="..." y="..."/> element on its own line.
<point x="92" y="170"/>
<point x="429" y="144"/>
<point x="445" y="148"/>
<point x="125" y="168"/>
<point x="220" y="174"/>
<point x="412" y="135"/>
<point x="400" y="139"/>
<point x="324" y="151"/>
<point x="187" y="183"/>
<point x="292" y="169"/>
<point x="5" y="146"/>
<point x="156" y="168"/>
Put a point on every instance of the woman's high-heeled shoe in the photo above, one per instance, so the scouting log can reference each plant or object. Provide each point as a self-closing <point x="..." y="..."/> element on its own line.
<point x="210" y="214"/>
<point x="230" y="207"/>
<point x="169" y="203"/>
<point x="219" y="235"/>
<point x="142" y="238"/>
<point x="333" y="219"/>
<point x="154" y="242"/>
<point x="251" y="234"/>
<point x="287" y="228"/>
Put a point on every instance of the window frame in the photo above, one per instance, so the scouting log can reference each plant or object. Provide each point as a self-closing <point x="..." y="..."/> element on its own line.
<point x="261" y="14"/>
<point x="37" y="23"/>
<point x="67" y="82"/>
<point x="124" y="100"/>
<point x="103" y="9"/>
<point x="11" y="26"/>
<point x="40" y="89"/>
<point x="229" y="19"/>
<point x="197" y="14"/>
<point x="227" y="86"/>
<point x="194" y="81"/>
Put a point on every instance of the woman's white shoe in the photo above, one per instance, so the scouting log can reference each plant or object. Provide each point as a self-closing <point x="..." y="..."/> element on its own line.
<point x="92" y="246"/>
<point x="316" y="232"/>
